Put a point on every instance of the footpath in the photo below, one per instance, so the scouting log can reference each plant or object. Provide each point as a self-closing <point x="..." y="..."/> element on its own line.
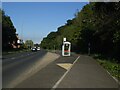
<point x="87" y="73"/>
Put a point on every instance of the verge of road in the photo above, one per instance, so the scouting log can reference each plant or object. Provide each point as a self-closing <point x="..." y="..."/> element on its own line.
<point x="87" y="73"/>
<point x="9" y="53"/>
<point x="113" y="77"/>
<point x="37" y="66"/>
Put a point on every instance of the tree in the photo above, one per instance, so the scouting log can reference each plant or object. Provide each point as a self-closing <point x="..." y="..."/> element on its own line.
<point x="0" y="16"/>
<point x="8" y="32"/>
<point x="97" y="25"/>
<point x="29" y="43"/>
<point x="107" y="26"/>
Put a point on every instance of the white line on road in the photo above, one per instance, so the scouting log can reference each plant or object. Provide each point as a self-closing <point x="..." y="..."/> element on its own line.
<point x="114" y="78"/>
<point x="58" y="82"/>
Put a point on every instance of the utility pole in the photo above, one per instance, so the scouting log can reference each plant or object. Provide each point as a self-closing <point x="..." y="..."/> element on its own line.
<point x="89" y="48"/>
<point x="21" y="35"/>
<point x="54" y="48"/>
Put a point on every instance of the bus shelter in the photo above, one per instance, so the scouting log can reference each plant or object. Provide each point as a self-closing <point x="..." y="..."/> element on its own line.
<point x="66" y="48"/>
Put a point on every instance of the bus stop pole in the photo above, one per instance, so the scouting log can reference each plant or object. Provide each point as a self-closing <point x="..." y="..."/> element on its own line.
<point x="88" y="48"/>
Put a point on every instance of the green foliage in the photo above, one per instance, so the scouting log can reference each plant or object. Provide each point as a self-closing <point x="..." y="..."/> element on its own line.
<point x="54" y="39"/>
<point x="8" y="32"/>
<point x="97" y="24"/>
<point x="29" y="43"/>
<point x="107" y="27"/>
<point x="0" y="16"/>
<point x="111" y="67"/>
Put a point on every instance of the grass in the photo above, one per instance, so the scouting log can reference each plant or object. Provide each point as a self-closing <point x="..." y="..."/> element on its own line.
<point x="14" y="51"/>
<point x="111" y="66"/>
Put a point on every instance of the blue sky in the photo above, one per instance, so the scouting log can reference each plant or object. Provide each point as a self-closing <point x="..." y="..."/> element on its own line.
<point x="35" y="20"/>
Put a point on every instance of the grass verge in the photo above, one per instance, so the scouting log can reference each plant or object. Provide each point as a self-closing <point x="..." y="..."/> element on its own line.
<point x="111" y="66"/>
<point x="14" y="51"/>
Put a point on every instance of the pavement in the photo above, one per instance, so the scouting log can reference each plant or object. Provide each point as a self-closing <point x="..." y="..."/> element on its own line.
<point x="74" y="72"/>
<point x="87" y="73"/>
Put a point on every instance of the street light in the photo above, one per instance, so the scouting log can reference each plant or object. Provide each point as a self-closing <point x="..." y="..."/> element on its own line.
<point x="89" y="48"/>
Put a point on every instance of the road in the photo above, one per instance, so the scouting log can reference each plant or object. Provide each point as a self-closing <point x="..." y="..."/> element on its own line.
<point x="15" y="64"/>
<point x="76" y="71"/>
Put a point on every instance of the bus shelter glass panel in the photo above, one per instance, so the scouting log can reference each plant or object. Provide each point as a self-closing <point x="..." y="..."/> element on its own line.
<point x="66" y="49"/>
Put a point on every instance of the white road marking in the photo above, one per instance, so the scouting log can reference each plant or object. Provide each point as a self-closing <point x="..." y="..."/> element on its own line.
<point x="114" y="78"/>
<point x="66" y="66"/>
<point x="58" y="82"/>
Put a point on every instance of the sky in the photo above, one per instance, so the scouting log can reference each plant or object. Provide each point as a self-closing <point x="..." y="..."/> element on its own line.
<point x="35" y="20"/>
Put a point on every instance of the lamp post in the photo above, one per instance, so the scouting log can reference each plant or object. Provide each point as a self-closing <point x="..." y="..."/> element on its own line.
<point x="54" y="48"/>
<point x="89" y="48"/>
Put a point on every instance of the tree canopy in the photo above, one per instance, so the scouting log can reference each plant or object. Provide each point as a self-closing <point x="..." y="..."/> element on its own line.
<point x="8" y="32"/>
<point x="29" y="43"/>
<point x="96" y="26"/>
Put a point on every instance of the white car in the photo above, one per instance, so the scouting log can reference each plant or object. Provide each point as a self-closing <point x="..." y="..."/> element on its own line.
<point x="34" y="49"/>
<point x="38" y="48"/>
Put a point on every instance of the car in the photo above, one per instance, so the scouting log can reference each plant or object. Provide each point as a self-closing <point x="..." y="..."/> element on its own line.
<point x="34" y="49"/>
<point x="38" y="48"/>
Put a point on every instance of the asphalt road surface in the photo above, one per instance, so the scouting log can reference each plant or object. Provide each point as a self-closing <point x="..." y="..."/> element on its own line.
<point x="76" y="71"/>
<point x="15" y="64"/>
